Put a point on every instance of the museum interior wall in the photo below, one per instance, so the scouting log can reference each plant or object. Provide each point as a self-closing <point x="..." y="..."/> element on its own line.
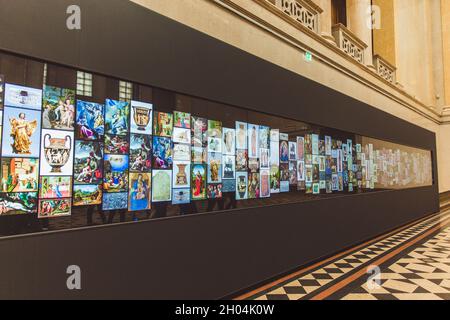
<point x="419" y="93"/>
<point x="178" y="69"/>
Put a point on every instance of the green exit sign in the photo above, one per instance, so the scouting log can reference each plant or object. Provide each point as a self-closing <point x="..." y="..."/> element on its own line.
<point x="308" y="56"/>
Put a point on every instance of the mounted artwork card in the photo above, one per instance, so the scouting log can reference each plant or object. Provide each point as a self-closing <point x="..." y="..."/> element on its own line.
<point x="182" y="120"/>
<point x="18" y="203"/>
<point x="163" y="124"/>
<point x="241" y="135"/>
<point x="90" y="121"/>
<point x="58" y="110"/>
<point x="229" y="141"/>
<point x="88" y="162"/>
<point x="139" y="192"/>
<point x="23" y="97"/>
<point x="117" y="117"/>
<point x="141" y="117"/>
<point x="87" y="195"/>
<point x="57" y="149"/>
<point x="198" y="181"/>
<point x="19" y="175"/>
<point x="162" y="185"/>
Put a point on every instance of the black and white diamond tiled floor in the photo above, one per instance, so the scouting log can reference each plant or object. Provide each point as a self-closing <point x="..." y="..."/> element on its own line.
<point x="423" y="273"/>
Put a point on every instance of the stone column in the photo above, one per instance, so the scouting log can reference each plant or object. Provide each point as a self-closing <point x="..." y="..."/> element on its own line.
<point x="325" y="20"/>
<point x="358" y="21"/>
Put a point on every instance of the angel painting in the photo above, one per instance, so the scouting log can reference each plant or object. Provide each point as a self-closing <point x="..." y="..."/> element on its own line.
<point x="21" y="132"/>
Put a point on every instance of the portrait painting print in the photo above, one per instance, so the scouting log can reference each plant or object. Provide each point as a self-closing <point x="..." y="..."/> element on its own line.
<point x="21" y="133"/>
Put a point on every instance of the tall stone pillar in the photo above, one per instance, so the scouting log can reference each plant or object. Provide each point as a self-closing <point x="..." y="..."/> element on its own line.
<point x="359" y="22"/>
<point x="325" y="21"/>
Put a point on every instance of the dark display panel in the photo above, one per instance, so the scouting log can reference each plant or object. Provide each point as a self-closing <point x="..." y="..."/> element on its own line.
<point x="98" y="160"/>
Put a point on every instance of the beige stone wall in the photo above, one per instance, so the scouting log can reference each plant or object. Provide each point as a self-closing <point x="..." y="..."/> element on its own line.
<point x="230" y="21"/>
<point x="445" y="12"/>
<point x="384" y="38"/>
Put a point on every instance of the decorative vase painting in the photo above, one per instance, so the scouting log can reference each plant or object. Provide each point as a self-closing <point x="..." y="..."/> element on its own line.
<point x="57" y="153"/>
<point x="141" y="117"/>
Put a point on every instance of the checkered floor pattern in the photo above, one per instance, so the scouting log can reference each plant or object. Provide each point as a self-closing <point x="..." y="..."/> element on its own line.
<point x="307" y="285"/>
<point x="423" y="274"/>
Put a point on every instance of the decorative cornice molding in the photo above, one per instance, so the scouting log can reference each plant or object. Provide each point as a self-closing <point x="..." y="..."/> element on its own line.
<point x="422" y="110"/>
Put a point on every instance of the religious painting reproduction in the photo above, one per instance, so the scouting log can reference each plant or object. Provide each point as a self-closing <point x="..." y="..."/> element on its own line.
<point x="182" y="120"/>
<point x="253" y="141"/>
<point x="139" y="193"/>
<point x="115" y="144"/>
<point x="214" y="167"/>
<point x="117" y="117"/>
<point x="163" y="124"/>
<point x="292" y="151"/>
<point x="264" y="158"/>
<point x="293" y="175"/>
<point x="162" y="153"/>
<point x="181" y="135"/>
<point x="274" y="179"/>
<point x="264" y="137"/>
<point x="19" y="175"/>
<point x="241" y="135"/>
<point x="229" y="141"/>
<point x="328" y="145"/>
<point x="241" y="185"/>
<point x="214" y="191"/>
<point x="198" y="181"/>
<point x="58" y="110"/>
<point x="115" y="201"/>
<point x="57" y="149"/>
<point x="241" y="160"/>
<point x="162" y="185"/>
<point x="23" y="97"/>
<point x="140" y="153"/>
<point x="54" y="208"/>
<point x="199" y="155"/>
<point x="300" y="148"/>
<point x="181" y="174"/>
<point x="18" y="203"/>
<point x="115" y="177"/>
<point x="199" y="130"/>
<point x="214" y="136"/>
<point x="88" y="162"/>
<point x="90" y="123"/>
<point x="284" y="151"/>
<point x="55" y="187"/>
<point x="141" y="117"/>
<point x="87" y="195"/>
<point x="265" y="183"/>
<point x="253" y="185"/>
<point x="301" y="170"/>
<point x="21" y="133"/>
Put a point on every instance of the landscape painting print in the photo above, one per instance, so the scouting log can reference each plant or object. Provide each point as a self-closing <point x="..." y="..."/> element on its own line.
<point x="21" y="133"/>
<point x="141" y="117"/>
<point x="58" y="108"/>
<point x="139" y="194"/>
<point x="115" y="173"/>
<point x="117" y="116"/>
<point x="88" y="162"/>
<point x="23" y="97"/>
<point x="162" y="185"/>
<point x="19" y="175"/>
<point x="55" y="187"/>
<point x="87" y="195"/>
<point x="90" y="122"/>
